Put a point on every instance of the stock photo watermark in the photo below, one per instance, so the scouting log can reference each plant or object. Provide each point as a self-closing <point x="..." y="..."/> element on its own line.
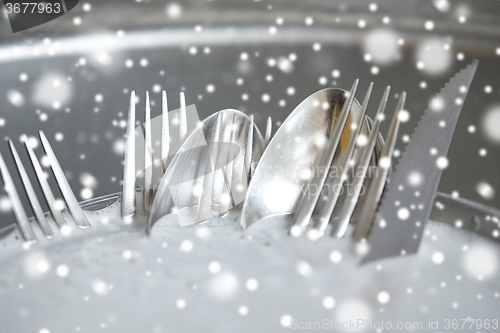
<point x="25" y="14"/>
<point x="365" y="324"/>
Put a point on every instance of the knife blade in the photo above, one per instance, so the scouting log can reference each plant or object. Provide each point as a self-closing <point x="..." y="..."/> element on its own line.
<point x="400" y="220"/>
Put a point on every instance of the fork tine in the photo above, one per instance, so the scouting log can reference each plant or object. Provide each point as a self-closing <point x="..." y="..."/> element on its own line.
<point x="182" y="118"/>
<point x="269" y="130"/>
<point x="47" y="192"/>
<point x="62" y="182"/>
<point x="30" y="192"/>
<point x="377" y="185"/>
<point x="206" y="199"/>
<point x="229" y="166"/>
<point x="165" y="132"/>
<point x="148" y="158"/>
<point x="249" y="151"/>
<point x="331" y="201"/>
<point x="17" y="207"/>
<point x="347" y="208"/>
<point x="220" y="176"/>
<point x="308" y="202"/>
<point x="128" y="189"/>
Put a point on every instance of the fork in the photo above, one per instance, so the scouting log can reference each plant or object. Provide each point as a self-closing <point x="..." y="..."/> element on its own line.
<point x="306" y="206"/>
<point x="318" y="125"/>
<point x="17" y="207"/>
<point x="128" y="204"/>
<point x="128" y="190"/>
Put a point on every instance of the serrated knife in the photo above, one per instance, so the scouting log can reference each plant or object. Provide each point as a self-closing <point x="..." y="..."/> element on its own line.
<point x="407" y="202"/>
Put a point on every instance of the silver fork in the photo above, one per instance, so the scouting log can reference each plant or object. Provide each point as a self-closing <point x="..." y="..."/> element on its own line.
<point x="17" y="207"/>
<point x="128" y="204"/>
<point x="305" y="208"/>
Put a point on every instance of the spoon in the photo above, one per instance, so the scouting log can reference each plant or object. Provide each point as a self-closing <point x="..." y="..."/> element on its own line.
<point x="293" y="170"/>
<point x="209" y="173"/>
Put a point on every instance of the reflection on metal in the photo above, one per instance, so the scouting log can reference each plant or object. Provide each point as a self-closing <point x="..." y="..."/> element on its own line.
<point x="68" y="195"/>
<point x="30" y="192"/>
<point x="332" y="198"/>
<point x="201" y="182"/>
<point x="207" y="190"/>
<point x="293" y="157"/>
<point x="148" y="156"/>
<point x="269" y="131"/>
<point x="165" y="132"/>
<point x="44" y="185"/>
<point x="128" y="189"/>
<point x="182" y="118"/>
<point x="377" y="185"/>
<point x="310" y="195"/>
<point x="147" y="148"/>
<point x="17" y="207"/>
<point x="346" y="210"/>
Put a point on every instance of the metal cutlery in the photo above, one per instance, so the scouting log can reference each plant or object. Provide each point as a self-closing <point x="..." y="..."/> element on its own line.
<point x="319" y="138"/>
<point x="209" y="173"/>
<point x="30" y="192"/>
<point x="226" y="161"/>
<point x="346" y="211"/>
<point x="17" y="207"/>
<point x="308" y="200"/>
<point x="128" y="180"/>
<point x="128" y="197"/>
<point x="130" y="164"/>
<point x="405" y="208"/>
<point x="232" y="127"/>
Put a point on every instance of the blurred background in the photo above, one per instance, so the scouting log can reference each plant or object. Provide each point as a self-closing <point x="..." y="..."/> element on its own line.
<point x="71" y="77"/>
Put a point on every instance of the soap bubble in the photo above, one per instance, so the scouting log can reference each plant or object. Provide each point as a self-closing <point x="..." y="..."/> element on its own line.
<point x="485" y="190"/>
<point x="15" y="98"/>
<point x="383" y="297"/>
<point x="286" y="320"/>
<point x="442" y="5"/>
<point x="438" y="258"/>
<point x="432" y="56"/>
<point x="351" y="310"/>
<point x="403" y="213"/>
<point x="304" y="268"/>
<point x="223" y="285"/>
<point x="382" y="45"/>
<point x="100" y="287"/>
<point x="174" y="10"/>
<point x="480" y="260"/>
<point x="50" y="88"/>
<point x="491" y="124"/>
<point x="88" y="180"/>
<point x="328" y="302"/>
